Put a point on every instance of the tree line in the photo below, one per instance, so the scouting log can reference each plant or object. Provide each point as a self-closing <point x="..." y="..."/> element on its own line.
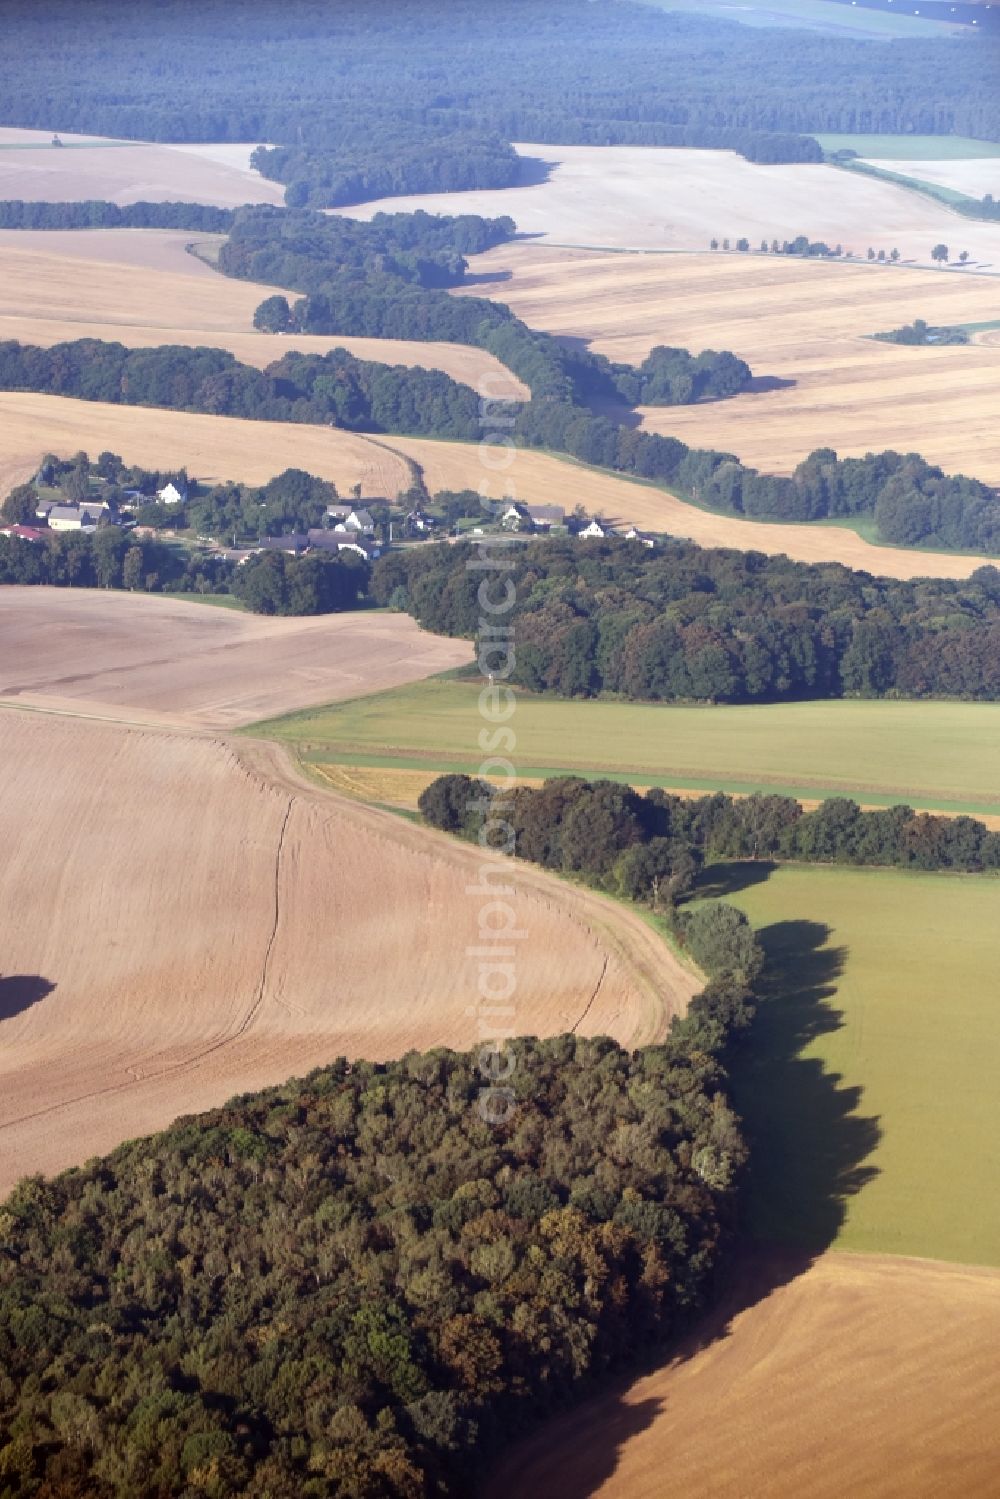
<point x="333" y="389"/>
<point x="686" y="623"/>
<point x="651" y="846"/>
<point x="202" y="218"/>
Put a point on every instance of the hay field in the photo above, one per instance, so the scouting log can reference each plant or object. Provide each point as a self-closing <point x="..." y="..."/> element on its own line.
<point x="794" y="321"/>
<point x="936" y="754"/>
<point x="128" y="171"/>
<point x="153" y="659"/>
<point x="864" y="1376"/>
<point x="142" y="289"/>
<point x="652" y="198"/>
<point x="221" y="447"/>
<point x="185" y="921"/>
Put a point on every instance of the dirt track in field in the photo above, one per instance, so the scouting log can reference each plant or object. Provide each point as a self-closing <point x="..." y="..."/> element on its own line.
<point x="866" y="1376"/>
<point x="802" y="326"/>
<point x="151" y="659"/>
<point x="188" y="918"/>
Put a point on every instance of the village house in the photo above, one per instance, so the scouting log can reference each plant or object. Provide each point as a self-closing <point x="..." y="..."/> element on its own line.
<point x="418" y="523"/>
<point x="524" y="517"/>
<point x="595" y="528"/>
<point x="78" y="517"/>
<point x="632" y="534"/>
<point x="345" y="541"/>
<point x="361" y="522"/>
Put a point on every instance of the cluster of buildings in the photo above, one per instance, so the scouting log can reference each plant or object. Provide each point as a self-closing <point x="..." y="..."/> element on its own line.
<point x="348" y="528"/>
<point x="87" y="515"/>
<point x="542" y="519"/>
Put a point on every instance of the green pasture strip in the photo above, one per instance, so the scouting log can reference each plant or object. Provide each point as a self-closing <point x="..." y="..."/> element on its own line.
<point x="935" y="754"/>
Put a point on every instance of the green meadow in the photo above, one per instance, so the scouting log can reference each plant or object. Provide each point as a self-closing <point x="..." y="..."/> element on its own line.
<point x="930" y="754"/>
<point x="870" y="1089"/>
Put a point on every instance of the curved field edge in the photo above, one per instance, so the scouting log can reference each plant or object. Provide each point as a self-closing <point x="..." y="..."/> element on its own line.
<point x="899" y="1353"/>
<point x="243" y="926"/>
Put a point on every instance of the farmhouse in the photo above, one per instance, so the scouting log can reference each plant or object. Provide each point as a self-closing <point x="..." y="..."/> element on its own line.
<point x="361" y="522"/>
<point x="78" y="517"/>
<point x="633" y="534"/>
<point x="524" y="517"/>
<point x="344" y="541"/>
<point x="595" y="528"/>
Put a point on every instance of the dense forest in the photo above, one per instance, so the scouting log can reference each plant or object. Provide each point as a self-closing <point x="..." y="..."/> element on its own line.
<point x="649" y="847"/>
<point x="559" y="71"/>
<point x="683" y="622"/>
<point x="365" y="1283"/>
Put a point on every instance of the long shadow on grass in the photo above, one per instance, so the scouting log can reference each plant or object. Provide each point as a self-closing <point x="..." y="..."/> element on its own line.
<point x="19" y="991"/>
<point x="809" y="1142"/>
<point x="809" y="1148"/>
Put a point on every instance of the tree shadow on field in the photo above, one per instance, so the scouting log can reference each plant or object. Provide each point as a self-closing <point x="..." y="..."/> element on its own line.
<point x="808" y="1140"/>
<point x="720" y="881"/>
<point x="809" y="1146"/>
<point x="19" y="991"/>
<point x="760" y="384"/>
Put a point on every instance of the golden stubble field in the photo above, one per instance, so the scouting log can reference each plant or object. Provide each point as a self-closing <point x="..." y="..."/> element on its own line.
<point x="649" y="198"/>
<point x="141" y="288"/>
<point x="128" y="171"/>
<point x="864" y="1376"/>
<point x="188" y="917"/>
<point x="800" y="324"/>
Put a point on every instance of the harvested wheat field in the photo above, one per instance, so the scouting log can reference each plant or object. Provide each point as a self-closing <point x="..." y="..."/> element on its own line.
<point x="535" y="477"/>
<point x="185" y="920"/>
<point x="128" y="171"/>
<point x="802" y="326"/>
<point x="152" y="659"/>
<point x="864" y="1376"/>
<point x="650" y="198"/>
<point x="212" y="448"/>
<point x="142" y="289"/>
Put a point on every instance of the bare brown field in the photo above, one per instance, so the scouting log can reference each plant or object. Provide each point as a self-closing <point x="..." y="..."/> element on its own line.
<point x="648" y="198"/>
<point x="794" y="321"/>
<point x="164" y="295"/>
<point x="128" y="171"/>
<point x="186" y="919"/>
<point x="214" y="448"/>
<point x="537" y="477"/>
<point x="152" y="659"/>
<point x="865" y="1376"/>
